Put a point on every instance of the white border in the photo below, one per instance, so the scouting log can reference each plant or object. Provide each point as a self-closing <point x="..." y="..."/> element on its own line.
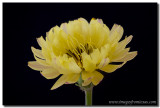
<point x="80" y="1"/>
<point x="60" y="1"/>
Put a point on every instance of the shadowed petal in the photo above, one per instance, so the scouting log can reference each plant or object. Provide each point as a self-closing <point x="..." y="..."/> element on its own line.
<point x="119" y="55"/>
<point x="87" y="82"/>
<point x="37" y="52"/>
<point x="110" y="68"/>
<point x="60" y="81"/>
<point x="97" y="77"/>
<point x="86" y="75"/>
<point x="116" y="33"/>
<point x="122" y="44"/>
<point x="50" y="73"/>
<point x="88" y="64"/>
<point x="42" y="42"/>
<point x="73" y="78"/>
<point x="36" y="66"/>
<point x="128" y="57"/>
<point x="40" y="61"/>
<point x="103" y="63"/>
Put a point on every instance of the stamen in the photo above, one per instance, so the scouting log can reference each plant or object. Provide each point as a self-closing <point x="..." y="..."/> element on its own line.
<point x="76" y="52"/>
<point x="77" y="56"/>
<point x="82" y="47"/>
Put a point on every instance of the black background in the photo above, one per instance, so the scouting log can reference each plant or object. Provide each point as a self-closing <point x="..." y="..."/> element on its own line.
<point x="23" y="23"/>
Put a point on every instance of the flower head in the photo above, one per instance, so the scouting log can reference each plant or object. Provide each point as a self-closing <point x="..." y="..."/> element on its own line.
<point x="78" y="49"/>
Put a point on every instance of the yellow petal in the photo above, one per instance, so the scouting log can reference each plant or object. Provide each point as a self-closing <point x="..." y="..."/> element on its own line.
<point x="100" y="21"/>
<point x="116" y="56"/>
<point x="64" y="27"/>
<point x="122" y="44"/>
<point x="110" y="68"/>
<point x="37" y="52"/>
<point x="104" y="51"/>
<point x="107" y="30"/>
<point x="47" y="54"/>
<point x="88" y="64"/>
<point x="83" y="20"/>
<point x="40" y="61"/>
<point x="73" y="66"/>
<point x="67" y="65"/>
<point x="73" y="78"/>
<point x="116" y="33"/>
<point x="128" y="57"/>
<point x="84" y="29"/>
<point x="78" y="29"/>
<point x="95" y="55"/>
<point x="116" y="29"/>
<point x="104" y="33"/>
<point x="60" y="81"/>
<point x="50" y="35"/>
<point x="104" y="62"/>
<point x="97" y="77"/>
<point x="87" y="82"/>
<point x="42" y="42"/>
<point x="60" y="41"/>
<point x="86" y="75"/>
<point x="50" y="73"/>
<point x="36" y="66"/>
<point x="97" y="33"/>
<point x="94" y="77"/>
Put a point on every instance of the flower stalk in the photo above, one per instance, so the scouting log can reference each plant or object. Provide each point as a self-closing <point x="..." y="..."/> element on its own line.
<point x="88" y="97"/>
<point x="88" y="91"/>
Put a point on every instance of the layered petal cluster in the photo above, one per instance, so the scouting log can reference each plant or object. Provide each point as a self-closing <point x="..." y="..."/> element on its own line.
<point x="80" y="48"/>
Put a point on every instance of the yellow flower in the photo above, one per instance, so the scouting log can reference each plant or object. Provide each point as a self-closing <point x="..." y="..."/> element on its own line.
<point x="78" y="49"/>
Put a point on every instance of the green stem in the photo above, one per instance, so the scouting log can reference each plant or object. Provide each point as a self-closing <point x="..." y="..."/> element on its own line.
<point x="88" y="97"/>
<point x="87" y="89"/>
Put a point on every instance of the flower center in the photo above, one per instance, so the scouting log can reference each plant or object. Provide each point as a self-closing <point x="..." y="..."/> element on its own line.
<point x="76" y="53"/>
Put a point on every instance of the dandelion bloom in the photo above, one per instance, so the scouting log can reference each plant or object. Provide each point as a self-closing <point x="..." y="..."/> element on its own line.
<point x="78" y="49"/>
